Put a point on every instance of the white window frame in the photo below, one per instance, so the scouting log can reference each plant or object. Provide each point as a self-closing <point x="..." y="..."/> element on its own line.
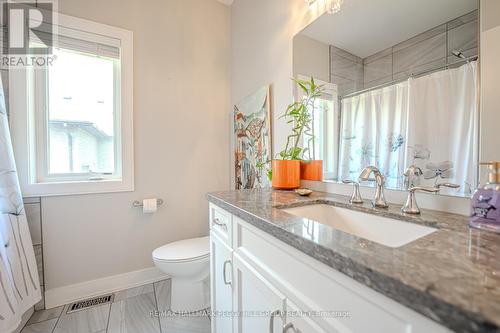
<point x="25" y="128"/>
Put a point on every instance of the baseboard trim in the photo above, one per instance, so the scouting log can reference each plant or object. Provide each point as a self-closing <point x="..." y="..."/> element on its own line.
<point x="63" y="295"/>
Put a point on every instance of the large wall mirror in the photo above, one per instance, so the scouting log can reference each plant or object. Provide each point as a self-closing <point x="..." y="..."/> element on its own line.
<point x="401" y="89"/>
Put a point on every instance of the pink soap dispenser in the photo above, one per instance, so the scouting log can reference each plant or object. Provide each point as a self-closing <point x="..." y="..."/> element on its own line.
<point x="486" y="202"/>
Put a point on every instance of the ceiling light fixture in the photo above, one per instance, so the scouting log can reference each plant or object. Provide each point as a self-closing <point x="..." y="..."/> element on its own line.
<point x="331" y="6"/>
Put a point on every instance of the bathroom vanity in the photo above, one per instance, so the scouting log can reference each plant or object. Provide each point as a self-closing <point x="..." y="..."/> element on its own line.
<point x="284" y="263"/>
<point x="399" y="107"/>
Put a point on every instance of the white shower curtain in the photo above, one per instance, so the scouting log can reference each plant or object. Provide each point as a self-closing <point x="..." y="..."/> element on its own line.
<point x="443" y="123"/>
<point x="430" y="121"/>
<point x="374" y="133"/>
<point x="19" y="285"/>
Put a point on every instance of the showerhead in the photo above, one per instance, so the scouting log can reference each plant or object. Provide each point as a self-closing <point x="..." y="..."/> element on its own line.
<point x="458" y="54"/>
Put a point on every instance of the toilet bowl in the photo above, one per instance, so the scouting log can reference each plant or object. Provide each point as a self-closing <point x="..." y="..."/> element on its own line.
<point x="187" y="262"/>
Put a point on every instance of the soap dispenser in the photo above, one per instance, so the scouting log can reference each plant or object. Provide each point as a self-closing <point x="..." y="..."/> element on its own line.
<point x="486" y="201"/>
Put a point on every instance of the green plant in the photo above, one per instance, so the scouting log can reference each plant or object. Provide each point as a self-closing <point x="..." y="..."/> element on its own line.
<point x="299" y="113"/>
<point x="266" y="165"/>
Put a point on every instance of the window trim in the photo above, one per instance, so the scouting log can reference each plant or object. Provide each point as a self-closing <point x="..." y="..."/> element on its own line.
<point x="23" y="123"/>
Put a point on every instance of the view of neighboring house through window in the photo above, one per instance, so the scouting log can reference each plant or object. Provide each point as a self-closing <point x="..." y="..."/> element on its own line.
<point x="81" y="114"/>
<point x="79" y="110"/>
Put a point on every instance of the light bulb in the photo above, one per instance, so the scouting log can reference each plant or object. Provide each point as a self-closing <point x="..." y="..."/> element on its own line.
<point x="334" y="6"/>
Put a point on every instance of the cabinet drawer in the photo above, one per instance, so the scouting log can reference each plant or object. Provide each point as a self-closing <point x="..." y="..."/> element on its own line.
<point x="221" y="224"/>
<point x="313" y="286"/>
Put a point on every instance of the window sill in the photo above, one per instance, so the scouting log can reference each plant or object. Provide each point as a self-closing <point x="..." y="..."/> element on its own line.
<point x="77" y="188"/>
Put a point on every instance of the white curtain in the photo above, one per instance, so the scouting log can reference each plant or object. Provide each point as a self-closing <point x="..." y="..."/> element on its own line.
<point x="443" y="122"/>
<point x="19" y="285"/>
<point x="373" y="132"/>
<point x="430" y="121"/>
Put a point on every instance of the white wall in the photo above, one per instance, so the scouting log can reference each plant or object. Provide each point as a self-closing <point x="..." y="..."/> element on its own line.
<point x="311" y="58"/>
<point x="261" y="44"/>
<point x="490" y="14"/>
<point x="490" y="80"/>
<point x="181" y="108"/>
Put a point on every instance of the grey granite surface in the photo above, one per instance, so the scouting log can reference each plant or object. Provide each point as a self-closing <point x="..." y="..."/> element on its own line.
<point x="451" y="276"/>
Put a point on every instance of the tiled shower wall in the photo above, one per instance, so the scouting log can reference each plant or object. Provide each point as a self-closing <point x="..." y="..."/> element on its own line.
<point x="429" y="50"/>
<point x="346" y="71"/>
<point x="33" y="210"/>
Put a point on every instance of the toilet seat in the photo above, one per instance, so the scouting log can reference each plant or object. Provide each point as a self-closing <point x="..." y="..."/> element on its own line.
<point x="187" y="250"/>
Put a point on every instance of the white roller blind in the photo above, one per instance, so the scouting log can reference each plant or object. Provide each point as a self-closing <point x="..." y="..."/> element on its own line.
<point x="77" y="40"/>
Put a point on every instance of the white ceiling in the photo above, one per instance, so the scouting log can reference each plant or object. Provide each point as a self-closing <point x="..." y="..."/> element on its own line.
<point x="365" y="27"/>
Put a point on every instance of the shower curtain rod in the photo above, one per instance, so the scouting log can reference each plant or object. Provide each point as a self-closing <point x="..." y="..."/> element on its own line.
<point x="413" y="75"/>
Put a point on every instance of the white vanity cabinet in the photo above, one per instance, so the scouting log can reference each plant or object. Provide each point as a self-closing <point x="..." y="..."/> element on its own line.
<point x="221" y="285"/>
<point x="260" y="306"/>
<point x="276" y="288"/>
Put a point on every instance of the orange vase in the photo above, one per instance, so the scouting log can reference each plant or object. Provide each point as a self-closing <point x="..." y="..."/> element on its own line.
<point x="311" y="170"/>
<point x="286" y="174"/>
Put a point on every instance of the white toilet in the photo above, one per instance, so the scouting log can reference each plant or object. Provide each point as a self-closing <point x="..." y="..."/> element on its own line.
<point x="187" y="262"/>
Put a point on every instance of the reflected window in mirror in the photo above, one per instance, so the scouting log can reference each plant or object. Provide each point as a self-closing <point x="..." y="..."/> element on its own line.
<point x="322" y="140"/>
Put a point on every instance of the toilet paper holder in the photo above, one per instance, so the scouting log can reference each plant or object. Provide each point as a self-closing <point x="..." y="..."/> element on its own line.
<point x="138" y="204"/>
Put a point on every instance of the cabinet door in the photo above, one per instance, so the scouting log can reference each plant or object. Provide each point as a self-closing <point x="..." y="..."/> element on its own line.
<point x="221" y="285"/>
<point x="259" y="305"/>
<point x="298" y="321"/>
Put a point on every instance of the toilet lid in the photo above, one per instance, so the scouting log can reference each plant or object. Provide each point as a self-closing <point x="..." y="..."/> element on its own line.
<point x="184" y="250"/>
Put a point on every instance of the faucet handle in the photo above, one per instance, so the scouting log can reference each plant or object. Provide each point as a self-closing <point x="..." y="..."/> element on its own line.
<point x="356" y="194"/>
<point x="448" y="185"/>
<point x="424" y="189"/>
<point x="411" y="206"/>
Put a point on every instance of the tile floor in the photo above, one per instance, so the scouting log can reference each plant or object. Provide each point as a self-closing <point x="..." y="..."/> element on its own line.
<point x="130" y="312"/>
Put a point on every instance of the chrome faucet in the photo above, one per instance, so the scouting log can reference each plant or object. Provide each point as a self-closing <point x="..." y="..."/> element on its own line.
<point x="379" y="200"/>
<point x="411" y="206"/>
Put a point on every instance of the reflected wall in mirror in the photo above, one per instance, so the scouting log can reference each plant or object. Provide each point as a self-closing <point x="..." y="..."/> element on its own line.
<point x="401" y="83"/>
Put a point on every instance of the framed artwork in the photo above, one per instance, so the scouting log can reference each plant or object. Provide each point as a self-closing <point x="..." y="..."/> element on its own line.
<point x="252" y="135"/>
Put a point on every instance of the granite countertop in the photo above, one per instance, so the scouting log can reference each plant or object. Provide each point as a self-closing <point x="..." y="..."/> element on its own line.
<point x="451" y="276"/>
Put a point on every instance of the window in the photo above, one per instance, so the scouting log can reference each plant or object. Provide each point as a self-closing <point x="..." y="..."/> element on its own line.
<point x="80" y="122"/>
<point x="79" y="111"/>
<point x="325" y="121"/>
<point x="315" y="140"/>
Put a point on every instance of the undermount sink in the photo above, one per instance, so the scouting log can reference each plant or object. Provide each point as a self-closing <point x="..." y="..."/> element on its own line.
<point x="382" y="230"/>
